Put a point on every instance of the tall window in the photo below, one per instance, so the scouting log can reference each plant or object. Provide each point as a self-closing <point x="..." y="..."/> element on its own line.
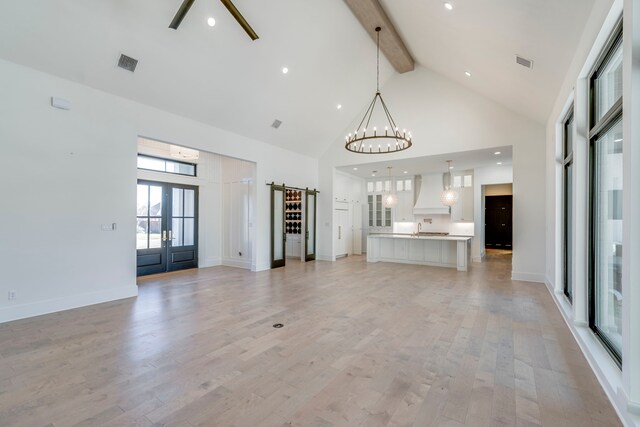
<point x="605" y="138"/>
<point x="568" y="207"/>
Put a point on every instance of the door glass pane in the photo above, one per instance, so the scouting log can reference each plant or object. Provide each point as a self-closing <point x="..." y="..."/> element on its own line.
<point x="457" y="181"/>
<point x="155" y="233"/>
<point x="379" y="210"/>
<point x="189" y="231"/>
<point x="189" y="203"/>
<point x="278" y="237"/>
<point x="370" y="187"/>
<point x="607" y="237"/>
<point x="142" y="240"/>
<point x="399" y="185"/>
<point x="143" y="200"/>
<point x="176" y="232"/>
<point x="178" y="202"/>
<point x="370" y="203"/>
<point x="378" y="186"/>
<point x="311" y="221"/>
<point x="155" y="200"/>
<point x="608" y="84"/>
<point x="468" y="181"/>
<point x="387" y="217"/>
<point x="387" y="186"/>
<point x="407" y="185"/>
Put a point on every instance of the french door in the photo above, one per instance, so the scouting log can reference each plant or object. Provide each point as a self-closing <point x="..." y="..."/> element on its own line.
<point x="310" y="226"/>
<point x="278" y="232"/>
<point x="167" y="227"/>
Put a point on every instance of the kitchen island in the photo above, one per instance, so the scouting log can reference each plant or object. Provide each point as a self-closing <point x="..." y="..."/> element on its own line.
<point x="439" y="251"/>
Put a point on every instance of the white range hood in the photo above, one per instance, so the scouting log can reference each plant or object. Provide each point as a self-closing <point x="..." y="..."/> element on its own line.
<point x="429" y="198"/>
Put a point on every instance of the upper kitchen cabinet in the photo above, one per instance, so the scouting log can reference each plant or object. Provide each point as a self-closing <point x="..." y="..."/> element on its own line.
<point x="462" y="182"/>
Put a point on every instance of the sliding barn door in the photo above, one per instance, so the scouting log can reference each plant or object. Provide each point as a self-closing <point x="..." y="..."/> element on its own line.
<point x="278" y="236"/>
<point x="310" y="226"/>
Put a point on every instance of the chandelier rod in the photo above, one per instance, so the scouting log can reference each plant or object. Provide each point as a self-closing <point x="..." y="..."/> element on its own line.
<point x="378" y="62"/>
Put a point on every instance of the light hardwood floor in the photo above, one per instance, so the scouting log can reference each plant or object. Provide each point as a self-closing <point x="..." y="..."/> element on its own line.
<point x="363" y="345"/>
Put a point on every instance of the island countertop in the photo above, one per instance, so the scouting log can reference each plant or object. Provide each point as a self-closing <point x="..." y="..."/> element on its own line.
<point x="411" y="236"/>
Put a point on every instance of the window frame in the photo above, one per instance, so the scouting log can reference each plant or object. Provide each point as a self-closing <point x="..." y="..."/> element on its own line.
<point x="596" y="129"/>
<point x="567" y="161"/>
<point x="165" y="160"/>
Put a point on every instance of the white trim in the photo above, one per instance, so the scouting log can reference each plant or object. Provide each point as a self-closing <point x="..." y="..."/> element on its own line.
<point x="478" y="258"/>
<point x="325" y="258"/>
<point x="528" y="277"/>
<point x="261" y="267"/>
<point x="210" y="262"/>
<point x="68" y="302"/>
<point x="231" y="262"/>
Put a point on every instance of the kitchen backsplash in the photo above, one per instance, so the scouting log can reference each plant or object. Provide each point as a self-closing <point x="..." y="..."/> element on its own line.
<point x="439" y="224"/>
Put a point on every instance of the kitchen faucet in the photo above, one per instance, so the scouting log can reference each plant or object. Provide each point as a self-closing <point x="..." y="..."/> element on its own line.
<point x="417" y="233"/>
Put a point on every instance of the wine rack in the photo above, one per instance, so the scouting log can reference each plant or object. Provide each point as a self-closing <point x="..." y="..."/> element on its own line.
<point x="293" y="212"/>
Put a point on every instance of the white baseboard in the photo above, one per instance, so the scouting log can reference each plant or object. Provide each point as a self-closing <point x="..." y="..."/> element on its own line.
<point x="232" y="262"/>
<point x="477" y="258"/>
<point x="261" y="266"/>
<point x="528" y="277"/>
<point x="325" y="258"/>
<point x="210" y="262"/>
<point x="54" y="305"/>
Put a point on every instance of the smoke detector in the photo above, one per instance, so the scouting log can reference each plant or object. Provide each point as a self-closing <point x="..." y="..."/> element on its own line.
<point x="127" y="63"/>
<point x="276" y="124"/>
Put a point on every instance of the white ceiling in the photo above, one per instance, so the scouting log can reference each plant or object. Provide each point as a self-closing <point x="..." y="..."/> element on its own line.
<point x="213" y="75"/>
<point x="483" y="37"/>
<point x="431" y="164"/>
<point x="218" y="76"/>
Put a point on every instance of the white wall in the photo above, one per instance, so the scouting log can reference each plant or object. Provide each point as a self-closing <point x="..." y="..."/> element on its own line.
<point x="445" y="117"/>
<point x="238" y="200"/>
<point x="77" y="171"/>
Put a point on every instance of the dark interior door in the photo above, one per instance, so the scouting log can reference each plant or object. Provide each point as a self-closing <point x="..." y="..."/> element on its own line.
<point x="151" y="228"/>
<point x="278" y="231"/>
<point x="167" y="227"/>
<point x="310" y="226"/>
<point x="182" y="248"/>
<point x="498" y="222"/>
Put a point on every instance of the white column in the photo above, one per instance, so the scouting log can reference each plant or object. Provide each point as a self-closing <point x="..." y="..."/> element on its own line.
<point x="631" y="206"/>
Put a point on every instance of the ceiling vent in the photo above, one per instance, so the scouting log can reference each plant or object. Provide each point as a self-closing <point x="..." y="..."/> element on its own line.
<point x="276" y="124"/>
<point x="127" y="63"/>
<point x="524" y="62"/>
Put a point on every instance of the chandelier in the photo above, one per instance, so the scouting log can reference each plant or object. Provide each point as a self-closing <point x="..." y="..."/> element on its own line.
<point x="390" y="140"/>
<point x="448" y="197"/>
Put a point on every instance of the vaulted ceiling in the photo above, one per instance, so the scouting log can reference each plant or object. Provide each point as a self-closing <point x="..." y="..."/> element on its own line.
<point x="219" y="76"/>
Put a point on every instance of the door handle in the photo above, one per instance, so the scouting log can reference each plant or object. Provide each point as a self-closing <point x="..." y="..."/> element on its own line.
<point x="164" y="235"/>
<point x="170" y="235"/>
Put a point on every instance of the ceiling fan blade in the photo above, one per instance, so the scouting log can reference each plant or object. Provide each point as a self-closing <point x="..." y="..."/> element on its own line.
<point x="236" y="14"/>
<point x="182" y="12"/>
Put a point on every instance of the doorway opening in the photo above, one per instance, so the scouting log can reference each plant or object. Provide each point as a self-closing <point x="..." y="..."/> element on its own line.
<point x="498" y="218"/>
<point x="293" y="224"/>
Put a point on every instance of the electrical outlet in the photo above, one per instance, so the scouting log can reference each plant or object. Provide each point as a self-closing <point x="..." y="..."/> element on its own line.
<point x="11" y="296"/>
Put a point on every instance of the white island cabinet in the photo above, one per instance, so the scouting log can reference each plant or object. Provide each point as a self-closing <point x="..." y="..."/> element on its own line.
<point x="440" y="251"/>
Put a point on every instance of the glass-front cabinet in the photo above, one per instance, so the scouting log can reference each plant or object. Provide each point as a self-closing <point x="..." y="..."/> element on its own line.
<point x="381" y="218"/>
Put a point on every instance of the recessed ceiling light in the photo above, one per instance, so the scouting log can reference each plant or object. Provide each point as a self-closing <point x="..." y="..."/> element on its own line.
<point x="355" y="169"/>
<point x="499" y="163"/>
<point x="211" y="22"/>
<point x="450" y="167"/>
<point x="468" y="74"/>
<point x="339" y="106"/>
<point x="496" y="153"/>
<point x="285" y="70"/>
<point x="448" y="6"/>
<point x="405" y="172"/>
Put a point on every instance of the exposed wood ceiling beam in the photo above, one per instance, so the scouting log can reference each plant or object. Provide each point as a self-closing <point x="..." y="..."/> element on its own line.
<point x="371" y="15"/>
